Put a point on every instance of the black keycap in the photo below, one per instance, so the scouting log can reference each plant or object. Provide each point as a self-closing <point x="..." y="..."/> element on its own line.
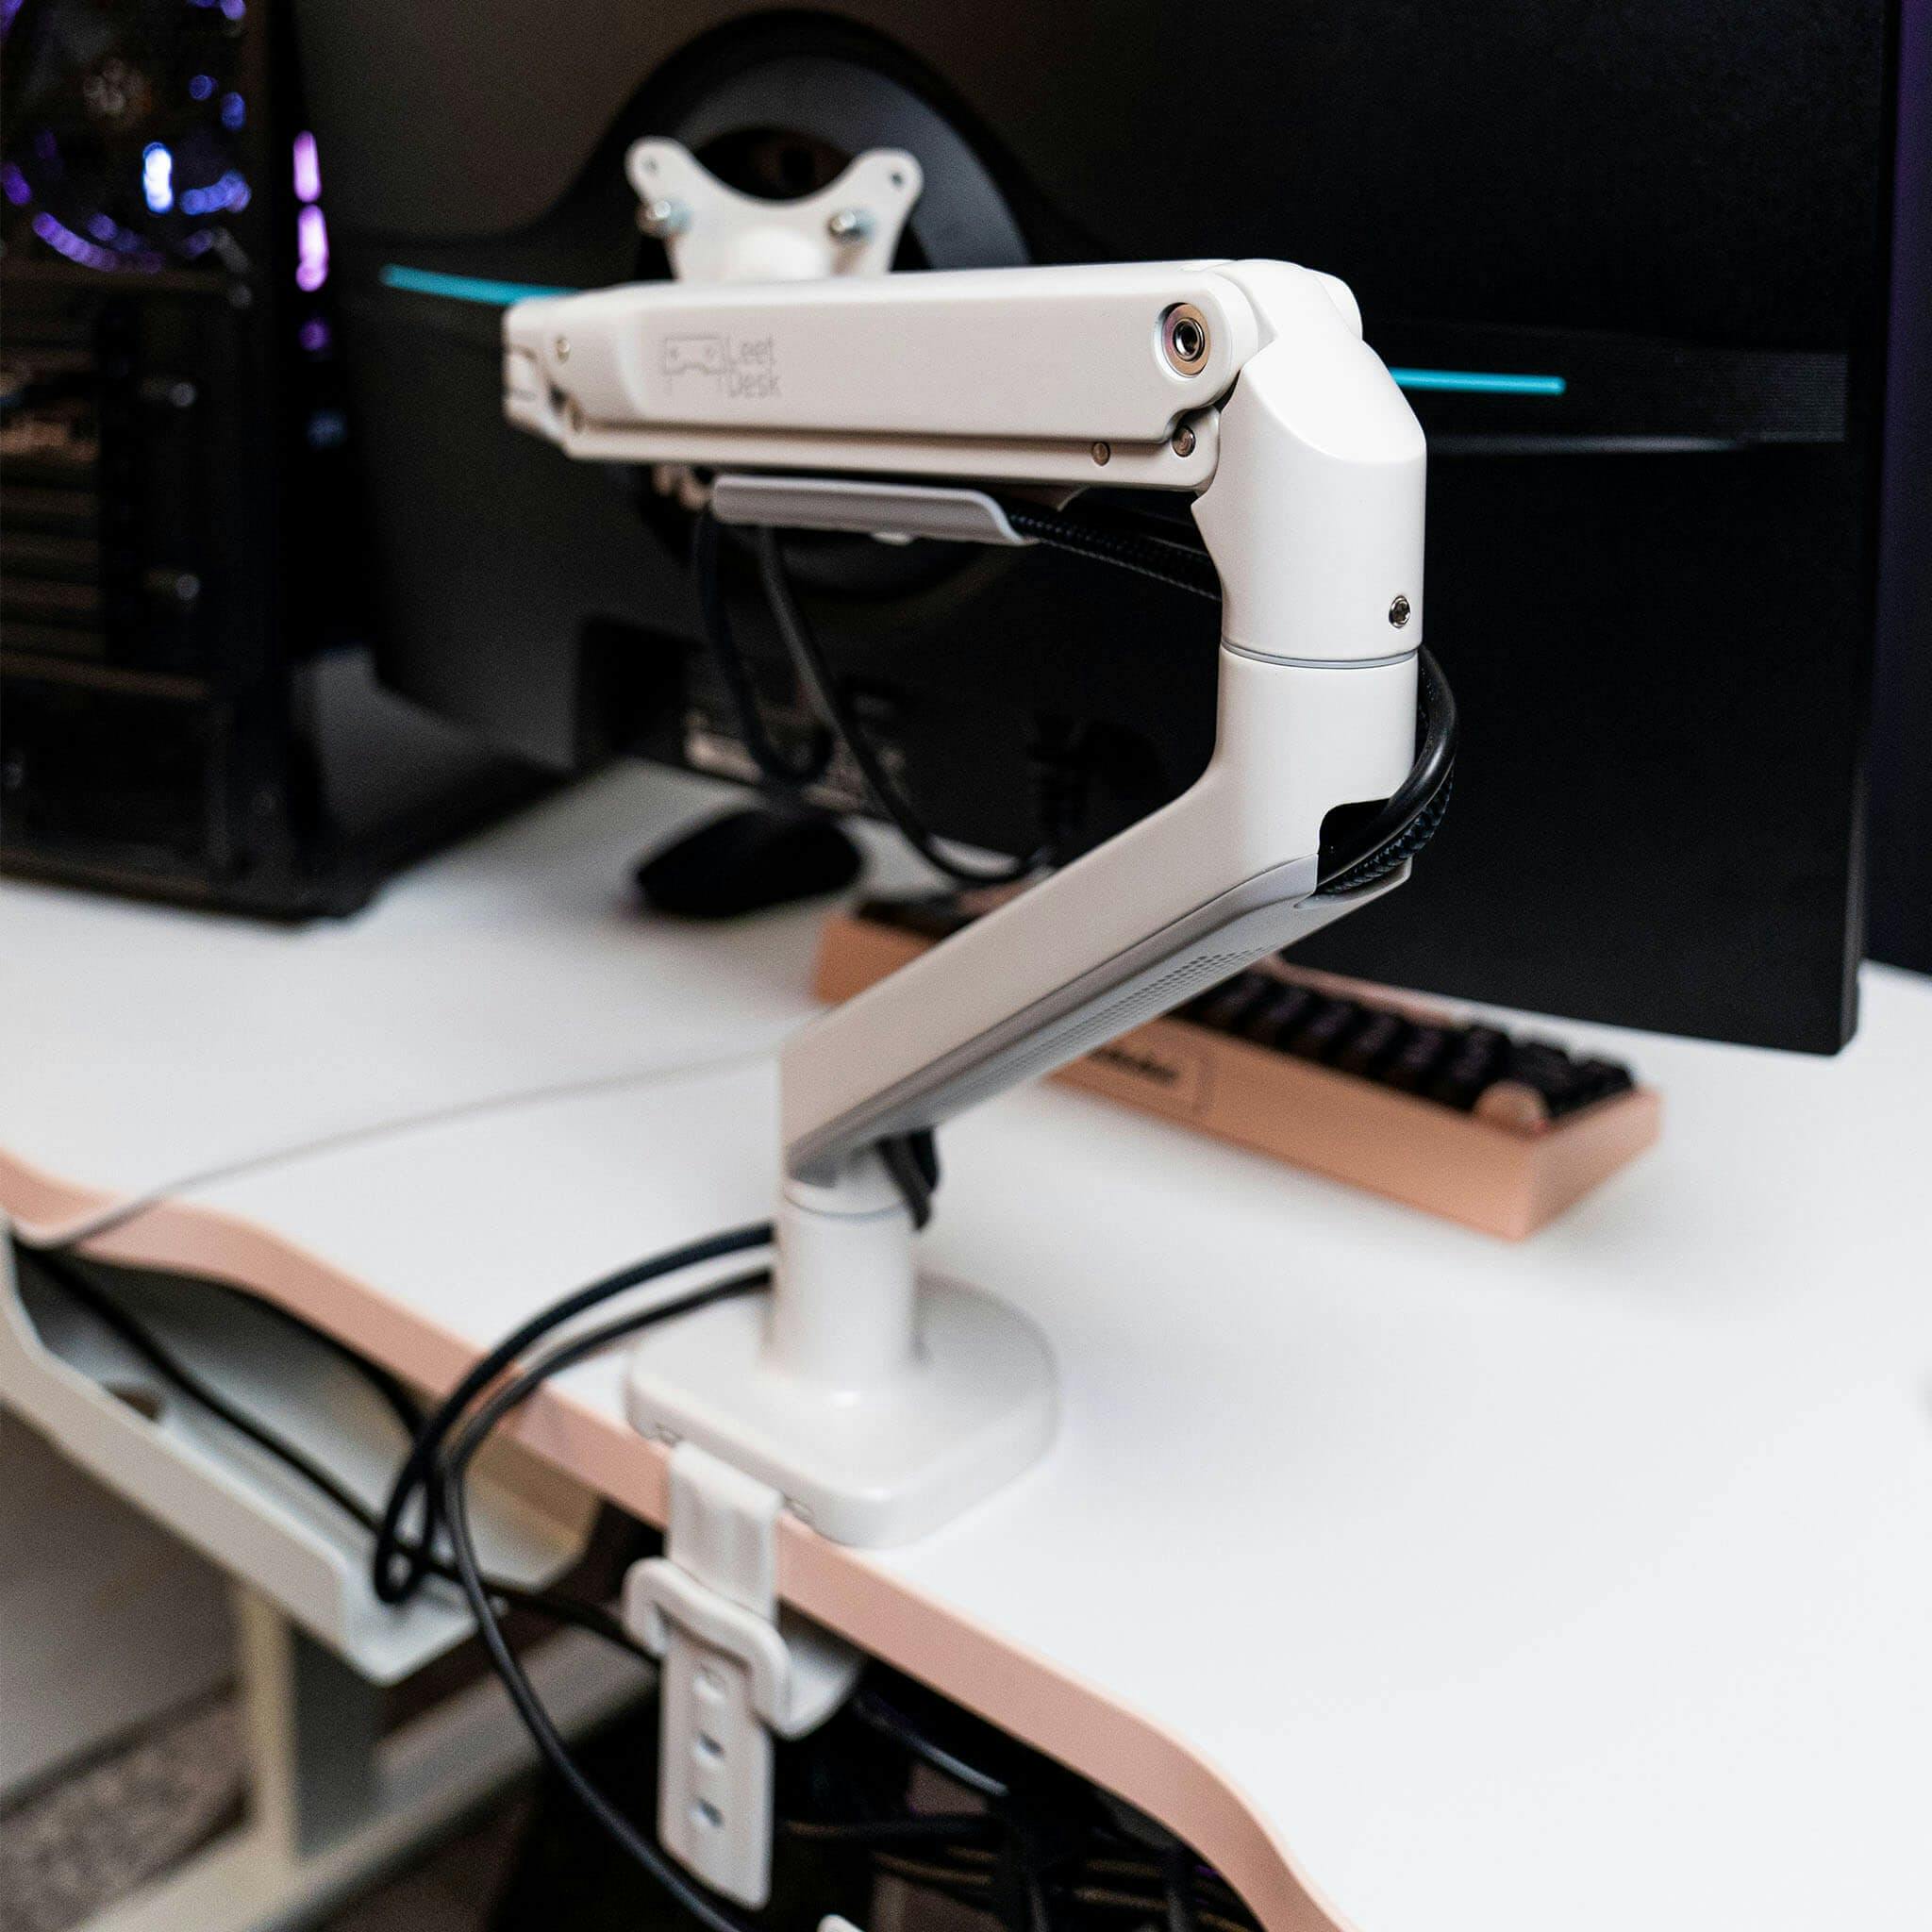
<point x="1602" y="1078"/>
<point x="1415" y="1060"/>
<point x="1548" y="1071"/>
<point x="1324" y="1029"/>
<point x="1374" y="1039"/>
<point x="1270" y="1024"/>
<point x="1468" y="1067"/>
<point x="1223" y="1007"/>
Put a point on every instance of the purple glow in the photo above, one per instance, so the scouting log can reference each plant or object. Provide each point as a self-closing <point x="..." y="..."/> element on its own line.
<point x="308" y="169"/>
<point x="102" y="227"/>
<point x="65" y="242"/>
<point x="313" y="334"/>
<point x="16" y="186"/>
<point x="234" y="10"/>
<point x="311" y="249"/>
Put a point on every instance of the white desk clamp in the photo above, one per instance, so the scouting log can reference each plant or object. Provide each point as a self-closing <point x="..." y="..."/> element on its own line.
<point x="878" y="1404"/>
<point x="737" y="1671"/>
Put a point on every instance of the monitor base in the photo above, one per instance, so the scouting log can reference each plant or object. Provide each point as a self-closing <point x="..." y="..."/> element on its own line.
<point x="875" y="1466"/>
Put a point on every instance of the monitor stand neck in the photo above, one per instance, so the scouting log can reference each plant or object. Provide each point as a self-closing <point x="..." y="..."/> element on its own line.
<point x="878" y="1402"/>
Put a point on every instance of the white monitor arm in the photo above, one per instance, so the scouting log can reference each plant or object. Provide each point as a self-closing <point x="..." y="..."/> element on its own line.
<point x="878" y="1406"/>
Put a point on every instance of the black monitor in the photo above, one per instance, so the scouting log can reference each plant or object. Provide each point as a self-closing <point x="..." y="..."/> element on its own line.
<point x="1631" y="264"/>
<point x="1901" y="833"/>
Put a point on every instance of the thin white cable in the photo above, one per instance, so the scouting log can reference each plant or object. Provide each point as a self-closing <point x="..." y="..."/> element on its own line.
<point x="102" y="1221"/>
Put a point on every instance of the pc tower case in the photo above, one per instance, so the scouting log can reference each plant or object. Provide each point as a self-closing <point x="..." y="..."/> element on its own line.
<point x="186" y="702"/>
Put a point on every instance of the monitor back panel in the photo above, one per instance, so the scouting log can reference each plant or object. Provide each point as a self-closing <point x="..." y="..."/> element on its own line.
<point x="1652" y="566"/>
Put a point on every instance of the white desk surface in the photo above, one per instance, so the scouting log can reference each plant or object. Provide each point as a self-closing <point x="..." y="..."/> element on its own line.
<point x="144" y="1046"/>
<point x="1431" y="1584"/>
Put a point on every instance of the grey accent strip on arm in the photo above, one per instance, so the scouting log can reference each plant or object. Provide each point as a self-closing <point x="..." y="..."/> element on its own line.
<point x="1271" y="910"/>
<point x="862" y="508"/>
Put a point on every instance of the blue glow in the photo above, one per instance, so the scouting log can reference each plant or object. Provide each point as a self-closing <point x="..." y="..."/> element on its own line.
<point x="234" y="111"/>
<point x="1479" y="382"/>
<point x="426" y="281"/>
<point x="201" y="87"/>
<point x="157" y="177"/>
<point x="230" y="191"/>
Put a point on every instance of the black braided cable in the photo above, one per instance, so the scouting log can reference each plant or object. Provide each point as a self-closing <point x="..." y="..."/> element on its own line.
<point x="1182" y="565"/>
<point x="1409" y="816"/>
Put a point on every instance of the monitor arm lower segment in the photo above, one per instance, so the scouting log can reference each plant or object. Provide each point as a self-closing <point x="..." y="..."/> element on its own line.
<point x="1313" y="518"/>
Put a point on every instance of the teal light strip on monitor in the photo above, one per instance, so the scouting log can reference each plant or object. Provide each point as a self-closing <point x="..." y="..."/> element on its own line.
<point x="1479" y="382"/>
<point x="492" y="294"/>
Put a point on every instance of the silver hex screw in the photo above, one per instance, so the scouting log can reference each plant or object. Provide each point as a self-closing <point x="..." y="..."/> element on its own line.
<point x="1184" y="338"/>
<point x="663" y="218"/>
